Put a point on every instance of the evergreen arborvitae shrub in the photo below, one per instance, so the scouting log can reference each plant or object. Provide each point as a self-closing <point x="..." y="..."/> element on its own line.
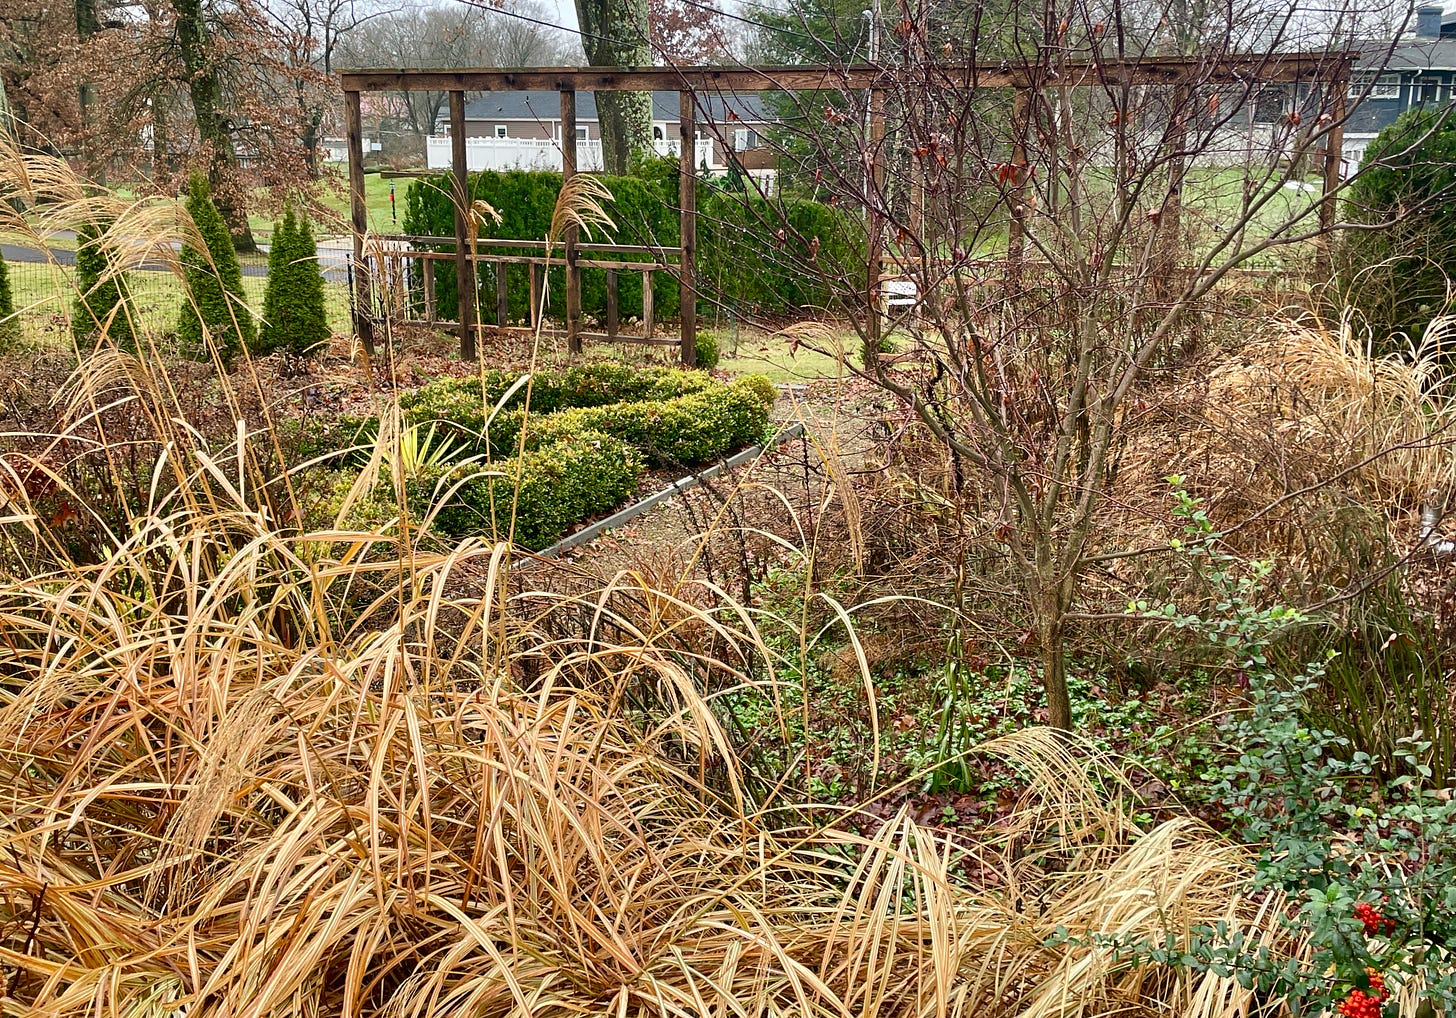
<point x="1399" y="276"/>
<point x="214" y="284"/>
<point x="102" y="297"/>
<point x="9" y="326"/>
<point x="294" y="318"/>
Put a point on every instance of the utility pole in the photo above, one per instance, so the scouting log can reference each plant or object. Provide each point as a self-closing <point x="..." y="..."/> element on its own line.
<point x="873" y="16"/>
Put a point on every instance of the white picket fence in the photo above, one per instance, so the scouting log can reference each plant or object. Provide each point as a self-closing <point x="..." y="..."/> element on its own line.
<point x="539" y="153"/>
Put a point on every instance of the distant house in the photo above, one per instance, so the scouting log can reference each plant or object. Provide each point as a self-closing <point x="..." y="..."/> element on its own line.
<point x="522" y="130"/>
<point x="1420" y="71"/>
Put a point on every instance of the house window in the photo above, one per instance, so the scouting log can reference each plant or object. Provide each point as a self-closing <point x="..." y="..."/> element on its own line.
<point x="744" y="139"/>
<point x="657" y="134"/>
<point x="581" y="134"/>
<point x="1387" y="86"/>
<point x="500" y="130"/>
<point x="1428" y="90"/>
<point x="1268" y="106"/>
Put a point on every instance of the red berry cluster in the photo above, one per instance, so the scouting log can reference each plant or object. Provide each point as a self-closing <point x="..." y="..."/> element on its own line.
<point x="1360" y="1004"/>
<point x="1373" y="919"/>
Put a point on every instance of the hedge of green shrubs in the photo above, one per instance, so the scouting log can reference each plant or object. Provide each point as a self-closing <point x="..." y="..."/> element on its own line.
<point x="742" y="262"/>
<point x="642" y="207"/>
<point x="688" y="429"/>
<point x="560" y="484"/>
<point x="466" y="401"/>
<point x="591" y="430"/>
<point x="745" y="263"/>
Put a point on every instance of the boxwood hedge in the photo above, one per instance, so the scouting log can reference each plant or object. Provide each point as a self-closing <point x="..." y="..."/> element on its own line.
<point x="560" y="484"/>
<point x="466" y="401"/>
<point x="591" y="429"/>
<point x="689" y="429"/>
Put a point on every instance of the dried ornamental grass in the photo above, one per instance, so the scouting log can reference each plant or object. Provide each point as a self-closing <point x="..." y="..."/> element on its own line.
<point x="1303" y="447"/>
<point x="218" y="802"/>
<point x="250" y="772"/>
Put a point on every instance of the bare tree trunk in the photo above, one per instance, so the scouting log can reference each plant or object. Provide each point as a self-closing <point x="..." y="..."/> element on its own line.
<point x="1050" y="597"/>
<point x="1050" y="615"/>
<point x="7" y="130"/>
<point x="626" y="121"/>
<point x="205" y="91"/>
<point x="615" y="33"/>
<point x="88" y="23"/>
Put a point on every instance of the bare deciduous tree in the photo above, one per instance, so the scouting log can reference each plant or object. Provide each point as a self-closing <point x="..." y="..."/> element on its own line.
<point x="453" y="35"/>
<point x="1059" y="237"/>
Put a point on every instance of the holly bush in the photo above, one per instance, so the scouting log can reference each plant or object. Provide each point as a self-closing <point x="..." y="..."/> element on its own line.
<point x="1364" y="860"/>
<point x="1399" y="275"/>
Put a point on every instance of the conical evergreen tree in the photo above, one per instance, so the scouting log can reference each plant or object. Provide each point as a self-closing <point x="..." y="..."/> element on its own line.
<point x="103" y="300"/>
<point x="293" y="305"/>
<point x="214" y="283"/>
<point x="9" y="326"/>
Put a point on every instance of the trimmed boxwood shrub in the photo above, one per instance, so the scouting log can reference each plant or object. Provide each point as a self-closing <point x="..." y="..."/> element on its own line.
<point x="561" y="484"/>
<point x="701" y="423"/>
<point x="591" y="429"/>
<point x="694" y="428"/>
<point x="706" y="348"/>
<point x="466" y="401"/>
<point x="214" y="284"/>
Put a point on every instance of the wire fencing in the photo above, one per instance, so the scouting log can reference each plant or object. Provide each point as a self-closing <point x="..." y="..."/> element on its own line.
<point x="45" y="294"/>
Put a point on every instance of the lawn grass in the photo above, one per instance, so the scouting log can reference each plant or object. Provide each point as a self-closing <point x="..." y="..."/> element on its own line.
<point x="754" y="352"/>
<point x="45" y="292"/>
<point x="333" y="200"/>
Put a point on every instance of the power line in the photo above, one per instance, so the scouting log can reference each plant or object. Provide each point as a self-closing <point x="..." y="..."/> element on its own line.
<point x="490" y="8"/>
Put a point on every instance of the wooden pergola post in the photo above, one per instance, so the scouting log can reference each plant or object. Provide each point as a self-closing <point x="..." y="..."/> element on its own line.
<point x="1334" y="156"/>
<point x="464" y="268"/>
<point x="569" y="241"/>
<point x="688" y="227"/>
<point x="359" y="217"/>
<point x="874" y="223"/>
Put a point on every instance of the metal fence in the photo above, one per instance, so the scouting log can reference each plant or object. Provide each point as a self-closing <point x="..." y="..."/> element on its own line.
<point x="45" y="294"/>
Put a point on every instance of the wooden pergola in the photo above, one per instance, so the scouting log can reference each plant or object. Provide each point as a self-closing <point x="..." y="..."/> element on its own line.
<point x="690" y="82"/>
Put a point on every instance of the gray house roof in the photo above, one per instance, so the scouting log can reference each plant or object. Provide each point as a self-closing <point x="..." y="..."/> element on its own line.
<point x="1412" y="55"/>
<point x="546" y="107"/>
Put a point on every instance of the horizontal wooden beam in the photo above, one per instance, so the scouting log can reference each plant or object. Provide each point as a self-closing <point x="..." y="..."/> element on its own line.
<point x="1272" y="68"/>
<point x="529" y="245"/>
